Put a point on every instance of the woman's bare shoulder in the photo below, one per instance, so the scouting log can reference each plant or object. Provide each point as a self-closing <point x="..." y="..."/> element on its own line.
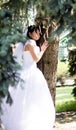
<point x="28" y="47"/>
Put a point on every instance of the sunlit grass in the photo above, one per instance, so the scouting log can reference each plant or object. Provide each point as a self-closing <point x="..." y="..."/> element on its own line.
<point x="66" y="106"/>
<point x="64" y="93"/>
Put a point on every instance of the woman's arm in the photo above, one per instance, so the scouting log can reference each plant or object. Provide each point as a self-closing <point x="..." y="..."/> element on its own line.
<point x="35" y="56"/>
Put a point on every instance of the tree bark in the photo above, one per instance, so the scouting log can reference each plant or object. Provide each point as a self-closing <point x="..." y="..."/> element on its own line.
<point x="48" y="65"/>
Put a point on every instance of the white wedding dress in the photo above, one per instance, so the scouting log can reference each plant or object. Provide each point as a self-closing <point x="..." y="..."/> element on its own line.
<point x="32" y="107"/>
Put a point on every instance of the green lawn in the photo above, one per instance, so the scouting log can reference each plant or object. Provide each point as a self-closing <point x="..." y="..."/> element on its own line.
<point x="64" y="94"/>
<point x="64" y="99"/>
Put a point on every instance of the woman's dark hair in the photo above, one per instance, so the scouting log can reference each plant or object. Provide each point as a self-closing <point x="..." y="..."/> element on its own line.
<point x="31" y="29"/>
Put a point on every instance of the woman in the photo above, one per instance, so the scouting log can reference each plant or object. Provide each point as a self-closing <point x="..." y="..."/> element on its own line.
<point x="32" y="107"/>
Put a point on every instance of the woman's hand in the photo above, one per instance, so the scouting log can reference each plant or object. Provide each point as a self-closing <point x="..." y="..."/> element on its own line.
<point x="44" y="46"/>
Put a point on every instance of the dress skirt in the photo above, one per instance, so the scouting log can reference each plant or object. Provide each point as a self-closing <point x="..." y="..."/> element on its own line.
<point x="32" y="107"/>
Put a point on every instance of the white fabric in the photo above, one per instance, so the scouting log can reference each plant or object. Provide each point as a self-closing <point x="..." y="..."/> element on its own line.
<point x="18" y="53"/>
<point x="32" y="107"/>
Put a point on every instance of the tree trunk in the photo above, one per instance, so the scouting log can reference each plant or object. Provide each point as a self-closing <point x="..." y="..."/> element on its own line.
<point x="48" y="65"/>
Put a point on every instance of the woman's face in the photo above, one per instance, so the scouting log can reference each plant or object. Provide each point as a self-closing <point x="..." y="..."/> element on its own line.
<point x="35" y="35"/>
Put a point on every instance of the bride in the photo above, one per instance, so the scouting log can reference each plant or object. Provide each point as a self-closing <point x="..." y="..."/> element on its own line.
<point x="32" y="107"/>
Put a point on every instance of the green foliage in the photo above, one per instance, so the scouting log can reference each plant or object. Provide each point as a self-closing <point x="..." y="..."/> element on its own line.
<point x="66" y="106"/>
<point x="62" y="72"/>
<point x="74" y="92"/>
<point x="10" y="33"/>
<point x="72" y="61"/>
<point x="63" y="12"/>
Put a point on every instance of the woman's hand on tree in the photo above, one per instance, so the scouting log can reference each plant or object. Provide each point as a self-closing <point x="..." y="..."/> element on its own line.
<point x="44" y="46"/>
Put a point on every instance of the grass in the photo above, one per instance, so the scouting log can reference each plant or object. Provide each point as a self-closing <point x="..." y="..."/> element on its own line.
<point x="66" y="106"/>
<point x="64" y="93"/>
<point x="64" y="99"/>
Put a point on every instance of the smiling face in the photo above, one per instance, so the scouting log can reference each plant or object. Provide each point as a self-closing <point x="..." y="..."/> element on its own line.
<point x="35" y="35"/>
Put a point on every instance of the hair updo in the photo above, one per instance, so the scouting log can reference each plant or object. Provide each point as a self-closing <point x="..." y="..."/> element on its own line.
<point x="31" y="29"/>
